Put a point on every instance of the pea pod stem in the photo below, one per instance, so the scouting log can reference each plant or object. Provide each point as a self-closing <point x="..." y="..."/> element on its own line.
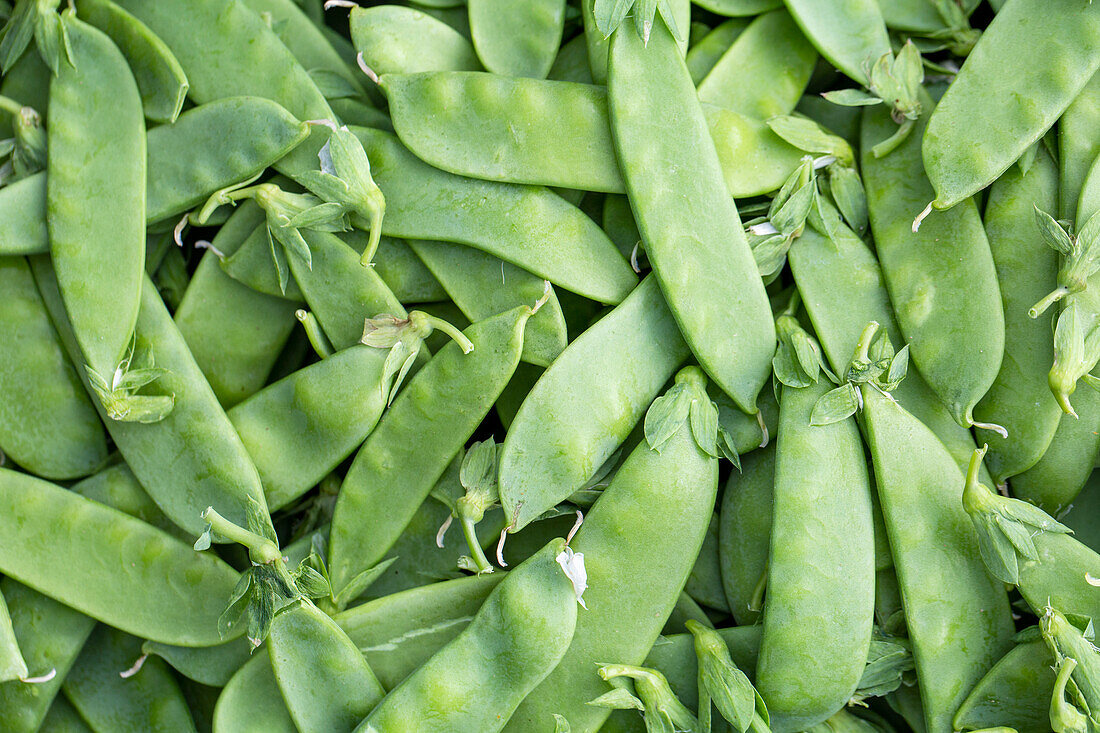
<point x="1048" y="300"/>
<point x="9" y="105"/>
<point x="261" y="550"/>
<point x="316" y="336"/>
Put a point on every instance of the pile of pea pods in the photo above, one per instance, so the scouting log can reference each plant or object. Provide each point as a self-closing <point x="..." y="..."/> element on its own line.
<point x="549" y="366"/>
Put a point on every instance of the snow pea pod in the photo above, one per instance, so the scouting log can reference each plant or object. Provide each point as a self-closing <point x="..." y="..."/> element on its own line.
<point x="765" y="71"/>
<point x="23" y="217"/>
<point x="47" y="422"/>
<point x="396" y="468"/>
<point x="404" y="273"/>
<point x="482" y="285"/>
<point x="477" y="680"/>
<point x="918" y="16"/>
<point x="96" y="139"/>
<point x="395" y="39"/>
<point x="195" y="443"/>
<point x="160" y="79"/>
<point x="1060" y="577"/>
<point x="703" y="55"/>
<point x="50" y="636"/>
<point x="1078" y="146"/>
<point x="171" y="593"/>
<point x="822" y="557"/>
<point x="251" y="701"/>
<point x="565" y="139"/>
<point x="1019" y="399"/>
<point x="1050" y="50"/>
<point x="739" y="8"/>
<point x="228" y="50"/>
<point x="517" y="39"/>
<point x="237" y="354"/>
<point x="326" y="683"/>
<point x="744" y="533"/>
<point x="118" y="488"/>
<point x="935" y="555"/>
<point x="850" y="34"/>
<point x="571" y="63"/>
<point x="635" y="584"/>
<point x="208" y="665"/>
<point x="570" y="423"/>
<point x="948" y="307"/>
<point x="62" y="717"/>
<point x="149" y="700"/>
<point x="1054" y="481"/>
<point x="298" y="429"/>
<point x="12" y="664"/>
<point x="528" y="226"/>
<point x="1015" y="692"/>
<point x="704" y="585"/>
<point x="690" y="227"/>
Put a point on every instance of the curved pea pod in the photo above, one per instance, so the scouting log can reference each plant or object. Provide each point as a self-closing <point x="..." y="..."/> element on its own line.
<point x="311" y="47"/>
<point x="704" y="54"/>
<point x="1016" y="692"/>
<point x="160" y="79"/>
<point x="744" y="533"/>
<point x="850" y="34"/>
<point x="96" y="138"/>
<point x="936" y="557"/>
<point x="764" y="72"/>
<point x="194" y="443"/>
<point x="228" y="50"/>
<point x="477" y="680"/>
<point x="948" y="306"/>
<point x="323" y="677"/>
<point x="237" y="354"/>
<point x="1078" y="146"/>
<point x="822" y="557"/>
<point x="62" y="717"/>
<point x="407" y="277"/>
<point x="208" y="665"/>
<point x="118" y="488"/>
<point x="252" y="701"/>
<point x="298" y="429"/>
<point x="704" y="585"/>
<point x="47" y="422"/>
<point x="917" y="16"/>
<point x="394" y="39"/>
<point x="638" y="348"/>
<point x="396" y="468"/>
<point x="693" y="237"/>
<point x="842" y="291"/>
<point x="528" y="226"/>
<point x="1050" y="50"/>
<point x="739" y="8"/>
<point x="571" y="63"/>
<point x="1063" y="576"/>
<point x="1054" y="481"/>
<point x="1019" y="399"/>
<point x="171" y="593"/>
<point x="482" y="285"/>
<point x="50" y="636"/>
<point x="12" y="664"/>
<point x="23" y="217"/>
<point x="108" y="693"/>
<point x="634" y="584"/>
<point x="517" y="39"/>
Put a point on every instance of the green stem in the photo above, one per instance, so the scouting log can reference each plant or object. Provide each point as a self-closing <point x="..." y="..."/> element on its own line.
<point x="260" y="549"/>
<point x="477" y="554"/>
<point x="459" y="338"/>
<point x="792" y="304"/>
<point x="316" y="336"/>
<point x="9" y="105"/>
<point x="975" y="465"/>
<point x="1048" y="300"/>
<point x="863" y="346"/>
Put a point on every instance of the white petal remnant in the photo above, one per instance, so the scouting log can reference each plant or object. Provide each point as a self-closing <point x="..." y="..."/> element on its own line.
<point x="572" y="564"/>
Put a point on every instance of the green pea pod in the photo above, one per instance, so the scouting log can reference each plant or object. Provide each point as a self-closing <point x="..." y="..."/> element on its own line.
<point x="567" y="141"/>
<point x="171" y="594"/>
<point x="917" y="16"/>
<point x="160" y="79"/>
<point x="1080" y="516"/>
<point x="23" y="217"/>
<point x="936" y="557"/>
<point x="744" y="534"/>
<point x="1050" y="50"/>
<point x="228" y="50"/>
<point x="12" y="664"/>
<point x="704" y="54"/>
<point x="208" y="665"/>
<point x="704" y="585"/>
<point x="298" y="429"/>
<point x="822" y="555"/>
<point x="311" y="47"/>
<point x="477" y="680"/>
<point x="326" y="683"/>
<point x="739" y="8"/>
<point x="1015" y="692"/>
<point x="96" y="139"/>
<point x="850" y="34"/>
<point x="635" y="583"/>
<point x="396" y="468"/>
<point x="108" y="693"/>
<point x="517" y="39"/>
<point x="949" y="309"/>
<point x="1054" y="481"/>
<point x="528" y="226"/>
<point x="765" y="71"/>
<point x="252" y="701"/>
<point x="694" y="237"/>
<point x="63" y="718"/>
<point x="252" y="265"/>
<point x="482" y="285"/>
<point x="842" y="290"/>
<point x="571" y="63"/>
<point x="194" y="443"/>
<point x="237" y="354"/>
<point x="47" y="422"/>
<point x="675" y="657"/>
<point x="50" y="636"/>
<point x="636" y="344"/>
<point x="1078" y="146"/>
<point x="394" y="39"/>
<point x="407" y="277"/>
<point x="1061" y="577"/>
<point x="1019" y="399"/>
<point x="118" y="488"/>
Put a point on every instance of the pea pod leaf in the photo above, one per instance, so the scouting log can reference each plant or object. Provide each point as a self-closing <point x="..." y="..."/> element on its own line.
<point x="662" y="710"/>
<point x="609" y="15"/>
<point x="119" y="396"/>
<point x="888" y="660"/>
<point x="561" y="725"/>
<point x="836" y="405"/>
<point x="805" y="134"/>
<point x="721" y="682"/>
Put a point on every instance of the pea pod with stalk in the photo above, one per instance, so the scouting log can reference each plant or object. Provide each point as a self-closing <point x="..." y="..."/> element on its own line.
<point x="1076" y="659"/>
<point x="405" y="40"/>
<point x="25" y="150"/>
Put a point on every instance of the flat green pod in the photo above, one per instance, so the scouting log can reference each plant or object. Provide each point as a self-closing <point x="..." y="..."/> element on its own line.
<point x="744" y="534"/>
<point x="851" y="34"/>
<point x="1016" y="693"/>
<point x="405" y="40"/>
<point x="517" y="39"/>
